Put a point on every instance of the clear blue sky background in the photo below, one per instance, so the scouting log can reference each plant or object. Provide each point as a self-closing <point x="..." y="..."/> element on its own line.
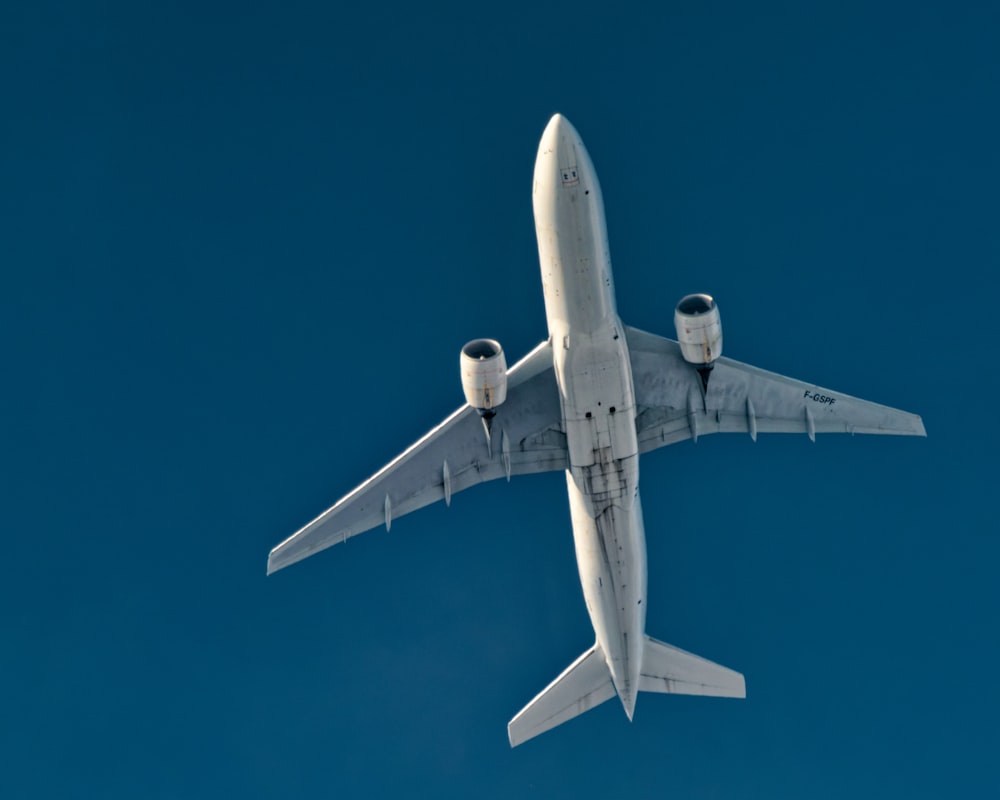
<point x="240" y="248"/>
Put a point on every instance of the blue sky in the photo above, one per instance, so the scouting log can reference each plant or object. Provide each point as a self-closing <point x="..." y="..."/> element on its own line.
<point x="241" y="250"/>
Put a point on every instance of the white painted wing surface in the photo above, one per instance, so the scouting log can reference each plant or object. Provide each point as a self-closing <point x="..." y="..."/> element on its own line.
<point x="672" y="405"/>
<point x="670" y="670"/>
<point x="527" y="437"/>
<point x="584" y="684"/>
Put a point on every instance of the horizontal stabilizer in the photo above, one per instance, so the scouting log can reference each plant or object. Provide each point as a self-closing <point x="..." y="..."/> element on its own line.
<point x="586" y="683"/>
<point x="670" y="670"/>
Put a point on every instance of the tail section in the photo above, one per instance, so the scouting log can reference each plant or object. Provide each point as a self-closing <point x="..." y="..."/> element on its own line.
<point x="670" y="670"/>
<point x="586" y="683"/>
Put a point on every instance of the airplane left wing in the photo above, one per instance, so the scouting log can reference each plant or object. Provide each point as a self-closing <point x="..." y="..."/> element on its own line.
<point x="527" y="437"/>
<point x="673" y="405"/>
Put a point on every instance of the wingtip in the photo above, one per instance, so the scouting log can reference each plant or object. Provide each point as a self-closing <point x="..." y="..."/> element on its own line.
<point x="275" y="562"/>
<point x="514" y="737"/>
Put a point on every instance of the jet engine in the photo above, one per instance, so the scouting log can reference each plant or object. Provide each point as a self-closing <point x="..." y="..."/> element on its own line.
<point x="699" y="329"/>
<point x="484" y="375"/>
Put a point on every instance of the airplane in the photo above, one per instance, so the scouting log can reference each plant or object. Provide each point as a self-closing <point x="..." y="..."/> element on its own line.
<point x="589" y="400"/>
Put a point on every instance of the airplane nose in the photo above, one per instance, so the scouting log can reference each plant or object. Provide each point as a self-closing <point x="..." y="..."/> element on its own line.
<point x="559" y="130"/>
<point x="562" y="159"/>
<point x="556" y="122"/>
<point x="565" y="185"/>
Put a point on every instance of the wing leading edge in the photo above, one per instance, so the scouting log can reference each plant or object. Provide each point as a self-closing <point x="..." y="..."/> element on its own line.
<point x="673" y="406"/>
<point x="527" y="437"/>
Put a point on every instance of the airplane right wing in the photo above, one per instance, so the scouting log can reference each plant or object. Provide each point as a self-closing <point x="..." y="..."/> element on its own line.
<point x="527" y="437"/>
<point x="672" y="404"/>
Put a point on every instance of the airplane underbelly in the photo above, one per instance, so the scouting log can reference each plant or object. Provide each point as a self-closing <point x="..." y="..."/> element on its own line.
<point x="611" y="557"/>
<point x="594" y="373"/>
<point x="572" y="237"/>
<point x="595" y="380"/>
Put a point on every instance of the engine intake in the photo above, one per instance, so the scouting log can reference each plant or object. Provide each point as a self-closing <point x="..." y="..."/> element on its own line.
<point x="484" y="375"/>
<point x="699" y="329"/>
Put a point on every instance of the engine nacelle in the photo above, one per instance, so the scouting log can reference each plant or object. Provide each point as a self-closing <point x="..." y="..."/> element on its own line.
<point x="699" y="329"/>
<point x="484" y="375"/>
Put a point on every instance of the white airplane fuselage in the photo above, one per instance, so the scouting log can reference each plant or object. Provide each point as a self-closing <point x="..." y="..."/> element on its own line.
<point x="588" y="354"/>
<point x="594" y="374"/>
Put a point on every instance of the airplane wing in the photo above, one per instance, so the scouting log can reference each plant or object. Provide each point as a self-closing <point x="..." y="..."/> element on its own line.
<point x="527" y="437"/>
<point x="672" y="404"/>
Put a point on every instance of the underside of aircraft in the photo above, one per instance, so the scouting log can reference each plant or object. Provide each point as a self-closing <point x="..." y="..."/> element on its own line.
<point x="589" y="400"/>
